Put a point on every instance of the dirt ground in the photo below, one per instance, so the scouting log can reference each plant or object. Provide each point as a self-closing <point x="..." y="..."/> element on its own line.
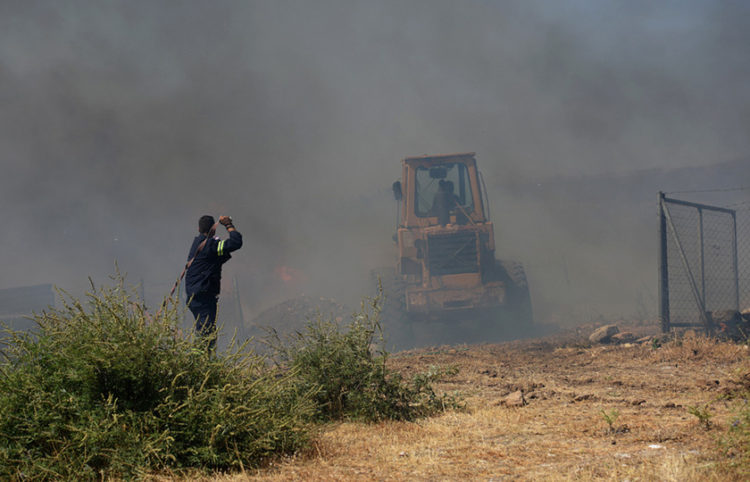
<point x="606" y="412"/>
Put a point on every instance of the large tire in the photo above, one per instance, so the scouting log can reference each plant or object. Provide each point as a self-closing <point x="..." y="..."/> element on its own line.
<point x="517" y="314"/>
<point x="397" y="330"/>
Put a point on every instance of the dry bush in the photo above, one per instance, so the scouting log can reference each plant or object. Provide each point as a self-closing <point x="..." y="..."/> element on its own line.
<point x="695" y="347"/>
<point x="736" y="442"/>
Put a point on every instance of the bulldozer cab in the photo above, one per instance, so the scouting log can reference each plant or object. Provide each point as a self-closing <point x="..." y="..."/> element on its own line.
<point x="441" y="190"/>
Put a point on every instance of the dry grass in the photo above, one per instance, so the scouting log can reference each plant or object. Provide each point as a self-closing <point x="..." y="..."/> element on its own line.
<point x="561" y="434"/>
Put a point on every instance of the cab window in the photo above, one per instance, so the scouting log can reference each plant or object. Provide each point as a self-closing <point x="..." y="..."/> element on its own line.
<point x="433" y="182"/>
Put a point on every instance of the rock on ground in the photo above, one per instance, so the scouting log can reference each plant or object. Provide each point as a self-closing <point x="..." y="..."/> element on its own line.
<point x="514" y="399"/>
<point x="623" y="337"/>
<point x="604" y="334"/>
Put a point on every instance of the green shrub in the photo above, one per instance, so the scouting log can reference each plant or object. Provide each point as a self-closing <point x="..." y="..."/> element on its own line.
<point x="703" y="414"/>
<point x="345" y="368"/>
<point x="610" y="417"/>
<point x="103" y="389"/>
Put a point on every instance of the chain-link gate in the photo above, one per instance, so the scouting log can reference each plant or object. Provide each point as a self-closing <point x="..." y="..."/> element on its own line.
<point x="704" y="262"/>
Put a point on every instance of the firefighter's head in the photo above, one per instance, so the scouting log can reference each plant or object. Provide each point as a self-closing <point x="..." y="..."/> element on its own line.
<point x="205" y="223"/>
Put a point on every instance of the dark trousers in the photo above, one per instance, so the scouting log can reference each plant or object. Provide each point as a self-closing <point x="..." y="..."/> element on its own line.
<point x="203" y="308"/>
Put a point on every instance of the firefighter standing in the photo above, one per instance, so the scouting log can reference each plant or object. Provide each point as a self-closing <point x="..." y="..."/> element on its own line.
<point x="203" y="278"/>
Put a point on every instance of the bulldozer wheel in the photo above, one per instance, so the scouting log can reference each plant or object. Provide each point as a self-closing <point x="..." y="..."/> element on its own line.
<point x="393" y="319"/>
<point x="516" y="314"/>
<point x="515" y="272"/>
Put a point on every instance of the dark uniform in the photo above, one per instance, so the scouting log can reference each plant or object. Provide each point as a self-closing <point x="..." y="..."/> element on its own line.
<point x="203" y="278"/>
<point x="443" y="202"/>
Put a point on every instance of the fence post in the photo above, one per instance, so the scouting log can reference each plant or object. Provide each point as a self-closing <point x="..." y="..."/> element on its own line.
<point x="663" y="268"/>
<point x="702" y="255"/>
<point x="735" y="262"/>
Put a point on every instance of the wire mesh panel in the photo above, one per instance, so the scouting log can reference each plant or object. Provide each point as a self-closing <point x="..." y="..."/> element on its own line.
<point x="704" y="262"/>
<point x="719" y="282"/>
<point x="680" y="276"/>
<point x="743" y="255"/>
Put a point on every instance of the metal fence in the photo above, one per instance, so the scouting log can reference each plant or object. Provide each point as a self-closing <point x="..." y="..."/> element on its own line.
<point x="704" y="261"/>
<point x="17" y="304"/>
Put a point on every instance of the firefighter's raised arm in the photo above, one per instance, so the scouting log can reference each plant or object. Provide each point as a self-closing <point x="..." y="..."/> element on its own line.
<point x="235" y="238"/>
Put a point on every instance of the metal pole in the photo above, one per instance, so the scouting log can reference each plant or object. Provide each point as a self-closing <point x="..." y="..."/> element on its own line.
<point x="239" y="305"/>
<point x="736" y="264"/>
<point x="702" y="256"/>
<point x="486" y="199"/>
<point x="663" y="268"/>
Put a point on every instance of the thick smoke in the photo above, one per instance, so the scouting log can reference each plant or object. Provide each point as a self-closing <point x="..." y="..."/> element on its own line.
<point x="123" y="122"/>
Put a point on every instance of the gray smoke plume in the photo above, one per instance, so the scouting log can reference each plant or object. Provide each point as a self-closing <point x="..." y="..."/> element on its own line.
<point x="123" y="122"/>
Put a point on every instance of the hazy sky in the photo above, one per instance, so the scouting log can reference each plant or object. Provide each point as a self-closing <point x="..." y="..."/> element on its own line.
<point x="123" y="121"/>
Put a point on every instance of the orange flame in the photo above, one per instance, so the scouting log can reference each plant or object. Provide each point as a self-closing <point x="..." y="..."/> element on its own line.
<point x="287" y="274"/>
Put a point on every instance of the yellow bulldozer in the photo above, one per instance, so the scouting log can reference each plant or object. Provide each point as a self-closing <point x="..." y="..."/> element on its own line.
<point x="446" y="285"/>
